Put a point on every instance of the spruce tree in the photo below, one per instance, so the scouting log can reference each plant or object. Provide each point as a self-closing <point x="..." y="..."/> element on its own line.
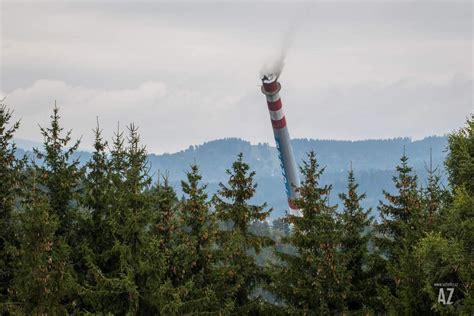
<point x="133" y="256"/>
<point x="98" y="195"/>
<point x="59" y="176"/>
<point x="11" y="180"/>
<point x="240" y="276"/>
<point x="200" y="222"/>
<point x="118" y="161"/>
<point x="44" y="282"/>
<point x="356" y="234"/>
<point x="446" y="255"/>
<point x="176" y="292"/>
<point x="434" y="198"/>
<point x="314" y="280"/>
<point x="124" y="277"/>
<point x="103" y="192"/>
<point x="59" y="173"/>
<point x="460" y="165"/>
<point x="96" y="229"/>
<point x="165" y="217"/>
<point x="138" y="248"/>
<point x="165" y="227"/>
<point x="460" y="161"/>
<point x="401" y="216"/>
<point x="402" y="226"/>
<point x="199" y="240"/>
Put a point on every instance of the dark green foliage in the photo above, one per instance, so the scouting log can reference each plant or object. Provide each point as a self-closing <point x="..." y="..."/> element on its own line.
<point x="96" y="228"/>
<point x="198" y="242"/>
<point x="375" y="160"/>
<point x="134" y="264"/>
<point x="434" y="198"/>
<point x="165" y="220"/>
<point x="177" y="292"/>
<point x="458" y="221"/>
<point x="446" y="255"/>
<point x="165" y="227"/>
<point x="315" y="279"/>
<point x="402" y="226"/>
<point x="200" y="225"/>
<point x="98" y="195"/>
<point x="11" y="181"/>
<point x="460" y="160"/>
<point x="104" y="240"/>
<point x="59" y="175"/>
<point x="239" y="274"/>
<point x="356" y="232"/>
<point x="401" y="216"/>
<point x="56" y="180"/>
<point x="44" y="280"/>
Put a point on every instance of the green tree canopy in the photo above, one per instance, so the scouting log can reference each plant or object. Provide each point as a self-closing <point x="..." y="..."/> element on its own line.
<point x="356" y="232"/>
<point x="11" y="180"/>
<point x="240" y="276"/>
<point x="314" y="280"/>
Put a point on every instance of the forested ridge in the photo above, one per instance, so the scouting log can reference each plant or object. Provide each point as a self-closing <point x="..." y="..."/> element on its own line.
<point x="373" y="162"/>
<point x="105" y="237"/>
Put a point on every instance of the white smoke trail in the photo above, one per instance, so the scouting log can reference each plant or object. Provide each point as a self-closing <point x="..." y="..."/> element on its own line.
<point x="275" y="64"/>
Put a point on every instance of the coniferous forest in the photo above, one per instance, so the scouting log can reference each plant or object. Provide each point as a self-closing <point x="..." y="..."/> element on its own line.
<point x="104" y="238"/>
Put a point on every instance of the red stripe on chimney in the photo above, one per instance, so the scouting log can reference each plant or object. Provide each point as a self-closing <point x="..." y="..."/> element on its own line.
<point x="279" y="123"/>
<point x="270" y="87"/>
<point x="274" y="105"/>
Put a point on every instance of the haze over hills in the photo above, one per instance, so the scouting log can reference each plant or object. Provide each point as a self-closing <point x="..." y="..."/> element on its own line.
<point x="374" y="163"/>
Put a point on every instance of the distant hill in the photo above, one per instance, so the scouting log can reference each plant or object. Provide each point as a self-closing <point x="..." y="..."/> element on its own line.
<point x="374" y="162"/>
<point x="26" y="144"/>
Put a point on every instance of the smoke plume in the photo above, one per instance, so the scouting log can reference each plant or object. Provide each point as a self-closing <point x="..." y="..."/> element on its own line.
<point x="275" y="64"/>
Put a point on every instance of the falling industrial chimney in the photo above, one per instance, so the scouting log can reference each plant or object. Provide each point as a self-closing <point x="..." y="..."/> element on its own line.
<point x="271" y="88"/>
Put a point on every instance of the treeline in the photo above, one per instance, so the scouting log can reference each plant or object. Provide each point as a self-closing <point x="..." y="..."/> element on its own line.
<point x="104" y="239"/>
<point x="373" y="160"/>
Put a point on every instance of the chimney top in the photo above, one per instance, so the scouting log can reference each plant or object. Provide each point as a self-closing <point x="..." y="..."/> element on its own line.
<point x="269" y="78"/>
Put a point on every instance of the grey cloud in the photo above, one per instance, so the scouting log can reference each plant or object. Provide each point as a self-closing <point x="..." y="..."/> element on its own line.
<point x="171" y="119"/>
<point x="188" y="72"/>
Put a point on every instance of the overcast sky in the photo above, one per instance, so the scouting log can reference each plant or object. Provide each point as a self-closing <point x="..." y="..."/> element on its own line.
<point x="186" y="73"/>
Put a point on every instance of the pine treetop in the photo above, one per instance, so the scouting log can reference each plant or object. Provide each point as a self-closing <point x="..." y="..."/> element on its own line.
<point x="59" y="174"/>
<point x="231" y="200"/>
<point x="355" y="218"/>
<point x="56" y="150"/>
<point x="405" y="206"/>
<point x="316" y="212"/>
